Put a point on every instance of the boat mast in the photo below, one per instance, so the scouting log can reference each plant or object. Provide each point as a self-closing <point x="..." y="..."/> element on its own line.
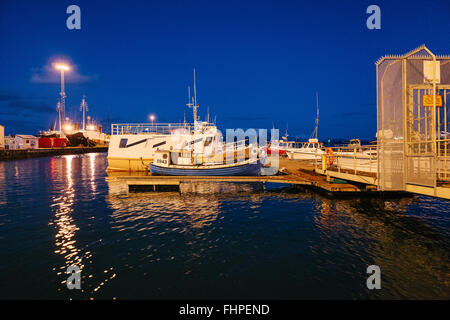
<point x="84" y="108"/>
<point x="59" y="109"/>
<point x="316" y="127"/>
<point x="193" y="104"/>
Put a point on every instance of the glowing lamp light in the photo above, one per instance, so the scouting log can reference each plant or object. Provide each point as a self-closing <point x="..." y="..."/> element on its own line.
<point x="61" y="66"/>
<point x="67" y="127"/>
<point x="90" y="127"/>
<point x="152" y="117"/>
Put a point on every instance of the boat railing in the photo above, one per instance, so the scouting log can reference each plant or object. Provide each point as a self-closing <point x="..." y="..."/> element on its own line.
<point x="234" y="146"/>
<point x="356" y="160"/>
<point x="153" y="128"/>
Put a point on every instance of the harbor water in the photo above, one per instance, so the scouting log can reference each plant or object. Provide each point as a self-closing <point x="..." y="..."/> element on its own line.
<point x="278" y="244"/>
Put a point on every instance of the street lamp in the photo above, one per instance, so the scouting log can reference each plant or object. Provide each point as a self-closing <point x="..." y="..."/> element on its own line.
<point x="152" y="117"/>
<point x="62" y="106"/>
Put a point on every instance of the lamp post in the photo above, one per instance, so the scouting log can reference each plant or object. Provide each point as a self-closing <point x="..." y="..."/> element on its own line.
<point x="152" y="117"/>
<point x="62" y="106"/>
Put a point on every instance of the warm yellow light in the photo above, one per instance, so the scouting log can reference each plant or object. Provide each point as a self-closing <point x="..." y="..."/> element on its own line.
<point x="67" y="127"/>
<point x="90" y="127"/>
<point x="152" y="117"/>
<point x="64" y="67"/>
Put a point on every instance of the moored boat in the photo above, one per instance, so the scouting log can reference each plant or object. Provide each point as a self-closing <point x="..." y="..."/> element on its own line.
<point x="173" y="163"/>
<point x="246" y="168"/>
<point x="133" y="144"/>
<point x="310" y="150"/>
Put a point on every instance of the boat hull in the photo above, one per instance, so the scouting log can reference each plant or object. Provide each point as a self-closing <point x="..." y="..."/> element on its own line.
<point x="304" y="155"/>
<point x="245" y="169"/>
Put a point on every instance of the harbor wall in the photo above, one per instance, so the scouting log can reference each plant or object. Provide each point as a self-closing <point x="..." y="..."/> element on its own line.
<point x="33" y="153"/>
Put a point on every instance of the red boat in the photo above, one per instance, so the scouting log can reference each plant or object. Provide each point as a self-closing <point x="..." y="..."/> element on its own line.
<point x="270" y="150"/>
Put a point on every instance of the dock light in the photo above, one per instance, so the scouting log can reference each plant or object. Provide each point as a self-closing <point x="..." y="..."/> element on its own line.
<point x="90" y="127"/>
<point x="68" y="127"/>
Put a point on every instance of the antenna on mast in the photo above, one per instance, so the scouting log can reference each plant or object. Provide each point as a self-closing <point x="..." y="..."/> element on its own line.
<point x="316" y="127"/>
<point x="84" y="108"/>
<point x="195" y="91"/>
<point x="286" y="135"/>
<point x="193" y="103"/>
<point x="59" y="108"/>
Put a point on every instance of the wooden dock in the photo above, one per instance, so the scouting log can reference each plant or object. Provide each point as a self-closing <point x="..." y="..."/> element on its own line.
<point x="296" y="173"/>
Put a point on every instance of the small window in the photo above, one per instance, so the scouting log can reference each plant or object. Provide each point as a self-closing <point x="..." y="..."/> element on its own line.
<point x="123" y="143"/>
<point x="27" y="141"/>
<point x="208" y="141"/>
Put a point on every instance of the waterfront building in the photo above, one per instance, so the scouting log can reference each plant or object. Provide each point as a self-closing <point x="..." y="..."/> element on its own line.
<point x="21" y="142"/>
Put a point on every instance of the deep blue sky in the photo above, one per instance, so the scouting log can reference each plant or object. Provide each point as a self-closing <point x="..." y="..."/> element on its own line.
<point x="259" y="63"/>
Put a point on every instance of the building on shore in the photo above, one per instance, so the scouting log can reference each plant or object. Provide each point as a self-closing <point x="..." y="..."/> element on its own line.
<point x="21" y="142"/>
<point x="2" y="137"/>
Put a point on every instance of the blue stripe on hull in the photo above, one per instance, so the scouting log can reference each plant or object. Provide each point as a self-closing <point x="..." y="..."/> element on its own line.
<point x="251" y="169"/>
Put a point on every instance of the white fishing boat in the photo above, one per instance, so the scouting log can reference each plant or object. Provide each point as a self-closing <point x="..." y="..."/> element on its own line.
<point x="312" y="150"/>
<point x="356" y="157"/>
<point x="134" y="145"/>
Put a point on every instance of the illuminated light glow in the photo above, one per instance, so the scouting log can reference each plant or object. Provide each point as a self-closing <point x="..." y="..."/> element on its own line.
<point x="67" y="127"/>
<point x="61" y="66"/>
<point x="152" y="117"/>
<point x="90" y="127"/>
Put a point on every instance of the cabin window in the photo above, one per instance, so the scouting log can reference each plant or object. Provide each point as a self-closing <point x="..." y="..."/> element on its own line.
<point x="208" y="141"/>
<point x="123" y="143"/>
<point x="27" y="141"/>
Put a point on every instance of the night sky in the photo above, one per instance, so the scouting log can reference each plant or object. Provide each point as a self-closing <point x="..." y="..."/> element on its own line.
<point x="258" y="63"/>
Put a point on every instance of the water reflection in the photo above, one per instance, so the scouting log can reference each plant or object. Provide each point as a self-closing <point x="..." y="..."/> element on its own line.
<point x="74" y="183"/>
<point x="62" y="205"/>
<point x="273" y="244"/>
<point x="353" y="233"/>
<point x="408" y="249"/>
<point x="92" y="158"/>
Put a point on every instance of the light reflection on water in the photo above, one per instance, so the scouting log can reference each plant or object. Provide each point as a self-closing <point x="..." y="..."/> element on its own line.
<point x="59" y="211"/>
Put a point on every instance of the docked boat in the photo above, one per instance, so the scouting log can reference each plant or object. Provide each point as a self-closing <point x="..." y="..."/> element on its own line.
<point x="73" y="134"/>
<point x="312" y="150"/>
<point x="356" y="157"/>
<point x="172" y="163"/>
<point x="134" y="144"/>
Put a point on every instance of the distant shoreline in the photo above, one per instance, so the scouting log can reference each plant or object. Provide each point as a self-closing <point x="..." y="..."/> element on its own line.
<point x="6" y="155"/>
